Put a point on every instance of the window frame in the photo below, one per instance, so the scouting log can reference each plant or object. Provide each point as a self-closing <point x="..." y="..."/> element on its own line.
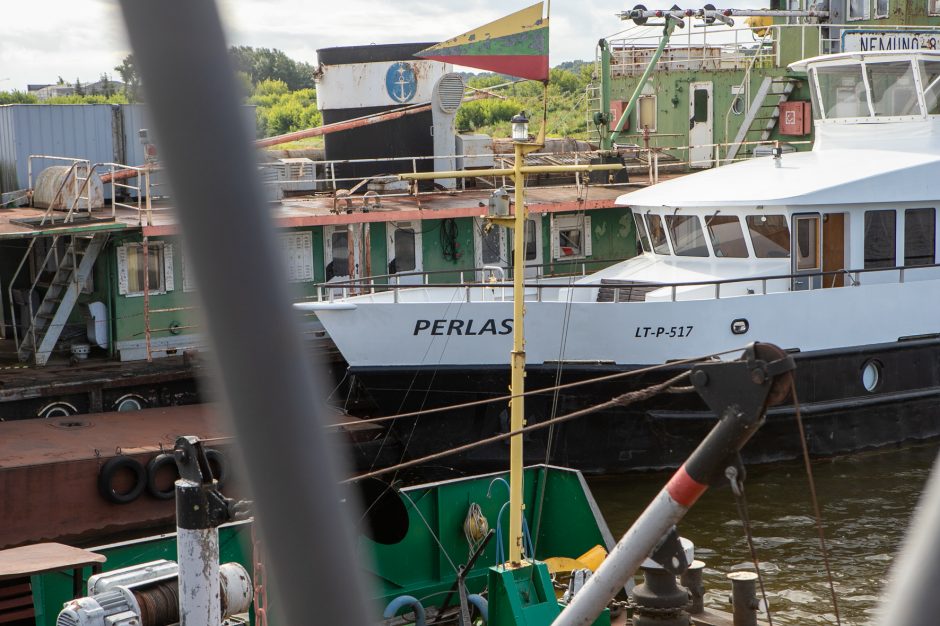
<point x="866" y="11"/>
<point x="671" y="231"/>
<point x="639" y="109"/>
<point x="164" y="250"/>
<point x="933" y="237"/>
<point x="893" y="239"/>
<point x="879" y="16"/>
<point x="579" y="222"/>
<point x="936" y="8"/>
<point x="716" y="245"/>
<point x="754" y="246"/>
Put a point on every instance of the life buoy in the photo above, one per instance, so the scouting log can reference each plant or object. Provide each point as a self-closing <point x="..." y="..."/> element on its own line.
<point x="154" y="466"/>
<point x="218" y="463"/>
<point x="106" y="479"/>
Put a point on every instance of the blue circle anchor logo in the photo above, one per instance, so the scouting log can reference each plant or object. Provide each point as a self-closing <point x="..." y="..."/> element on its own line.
<point x="401" y="82"/>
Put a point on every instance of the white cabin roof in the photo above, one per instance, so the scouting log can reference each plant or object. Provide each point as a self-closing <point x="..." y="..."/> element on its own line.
<point x="877" y="55"/>
<point x="833" y="176"/>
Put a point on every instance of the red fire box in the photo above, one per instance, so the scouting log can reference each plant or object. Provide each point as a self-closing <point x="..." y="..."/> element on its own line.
<point x="795" y="118"/>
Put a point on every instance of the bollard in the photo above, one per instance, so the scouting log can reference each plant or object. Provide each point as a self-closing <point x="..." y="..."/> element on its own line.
<point x="744" y="598"/>
<point x="659" y="600"/>
<point x="692" y="580"/>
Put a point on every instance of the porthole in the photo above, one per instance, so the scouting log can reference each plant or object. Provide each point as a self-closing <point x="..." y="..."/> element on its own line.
<point x="871" y="375"/>
<point x="56" y="409"/>
<point x="737" y="105"/>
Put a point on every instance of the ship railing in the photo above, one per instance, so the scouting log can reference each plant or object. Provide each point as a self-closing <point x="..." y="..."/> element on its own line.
<point x="558" y="288"/>
<point x="485" y="275"/>
<point x="720" y="48"/>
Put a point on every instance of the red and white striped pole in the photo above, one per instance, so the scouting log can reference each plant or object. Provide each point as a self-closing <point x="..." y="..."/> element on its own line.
<point x="743" y="406"/>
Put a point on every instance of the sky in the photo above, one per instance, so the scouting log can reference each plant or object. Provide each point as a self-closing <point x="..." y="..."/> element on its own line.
<point x="45" y="39"/>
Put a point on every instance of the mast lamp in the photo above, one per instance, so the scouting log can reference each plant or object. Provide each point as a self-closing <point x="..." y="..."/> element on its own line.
<point x="520" y="127"/>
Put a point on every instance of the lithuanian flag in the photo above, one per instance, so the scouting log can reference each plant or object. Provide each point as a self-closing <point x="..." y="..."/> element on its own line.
<point x="516" y="45"/>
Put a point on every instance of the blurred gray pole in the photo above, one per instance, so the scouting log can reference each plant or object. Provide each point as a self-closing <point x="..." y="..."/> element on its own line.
<point x="267" y="382"/>
<point x="912" y="598"/>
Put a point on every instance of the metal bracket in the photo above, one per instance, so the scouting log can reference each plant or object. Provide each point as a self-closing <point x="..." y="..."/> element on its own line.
<point x="193" y="466"/>
<point x="669" y="553"/>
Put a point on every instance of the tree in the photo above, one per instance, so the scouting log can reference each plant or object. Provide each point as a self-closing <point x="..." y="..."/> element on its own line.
<point x="131" y="77"/>
<point x="17" y="97"/>
<point x="262" y="64"/>
<point x="79" y="90"/>
<point x="107" y="89"/>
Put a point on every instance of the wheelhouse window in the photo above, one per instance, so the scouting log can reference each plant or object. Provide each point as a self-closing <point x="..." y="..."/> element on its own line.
<point x="842" y="91"/>
<point x="726" y="236"/>
<point x="919" y="237"/>
<point x="131" y="269"/>
<point x="687" y="236"/>
<point x="893" y="91"/>
<point x="930" y="79"/>
<point x="881" y="9"/>
<point x="641" y="233"/>
<point x="880" y="229"/>
<point x="770" y="236"/>
<point x="657" y="234"/>
<point x="859" y="10"/>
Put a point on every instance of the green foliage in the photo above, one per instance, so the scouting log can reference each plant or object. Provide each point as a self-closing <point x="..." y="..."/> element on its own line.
<point x="479" y="113"/>
<point x="117" y="98"/>
<point x="17" y="97"/>
<point x="282" y="111"/>
<point x="566" y="103"/>
<point x="262" y="64"/>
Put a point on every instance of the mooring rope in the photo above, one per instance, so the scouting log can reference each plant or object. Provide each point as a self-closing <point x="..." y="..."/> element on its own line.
<point x="740" y="499"/>
<point x="532" y="392"/>
<point x="625" y="399"/>
<point x="815" y="500"/>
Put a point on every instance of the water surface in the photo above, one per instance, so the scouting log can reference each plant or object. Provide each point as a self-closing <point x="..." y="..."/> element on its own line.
<point x="866" y="502"/>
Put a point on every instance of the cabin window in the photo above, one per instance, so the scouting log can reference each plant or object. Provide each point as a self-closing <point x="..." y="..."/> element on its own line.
<point x="404" y="250"/>
<point x="700" y="106"/>
<point x="131" y="268"/>
<point x="531" y="241"/>
<point x="770" y="236"/>
<point x="859" y="10"/>
<point x="297" y="249"/>
<point x="687" y="236"/>
<point x="490" y="244"/>
<point x="842" y="91"/>
<point x="571" y="236"/>
<point x="919" y="237"/>
<point x="727" y="236"/>
<point x="933" y="7"/>
<point x="646" y="113"/>
<point x="930" y="79"/>
<point x="880" y="229"/>
<point x="657" y="234"/>
<point x="893" y="91"/>
<point x="807" y="242"/>
<point x="642" y="233"/>
<point x="189" y="280"/>
<point x="881" y="9"/>
<point x="339" y="245"/>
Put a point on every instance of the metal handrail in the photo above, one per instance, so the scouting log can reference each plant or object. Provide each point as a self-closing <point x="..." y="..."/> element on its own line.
<point x="744" y="89"/>
<point x="854" y="276"/>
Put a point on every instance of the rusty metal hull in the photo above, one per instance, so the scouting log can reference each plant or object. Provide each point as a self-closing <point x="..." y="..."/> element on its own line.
<point x="49" y="471"/>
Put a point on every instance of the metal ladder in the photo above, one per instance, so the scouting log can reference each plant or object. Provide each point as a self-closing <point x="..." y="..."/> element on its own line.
<point x="763" y="112"/>
<point x="61" y="295"/>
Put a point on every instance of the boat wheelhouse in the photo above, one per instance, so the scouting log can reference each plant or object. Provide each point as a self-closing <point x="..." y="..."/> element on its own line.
<point x="830" y="254"/>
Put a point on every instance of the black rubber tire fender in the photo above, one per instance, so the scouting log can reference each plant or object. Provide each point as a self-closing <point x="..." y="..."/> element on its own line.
<point x="106" y="479"/>
<point x="155" y="465"/>
<point x="218" y="461"/>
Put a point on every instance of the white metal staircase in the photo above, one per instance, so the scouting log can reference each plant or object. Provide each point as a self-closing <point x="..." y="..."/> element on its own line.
<point x="61" y="294"/>
<point x="763" y="112"/>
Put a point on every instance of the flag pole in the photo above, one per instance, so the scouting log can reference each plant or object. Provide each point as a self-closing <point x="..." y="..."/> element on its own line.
<point x="542" y="131"/>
